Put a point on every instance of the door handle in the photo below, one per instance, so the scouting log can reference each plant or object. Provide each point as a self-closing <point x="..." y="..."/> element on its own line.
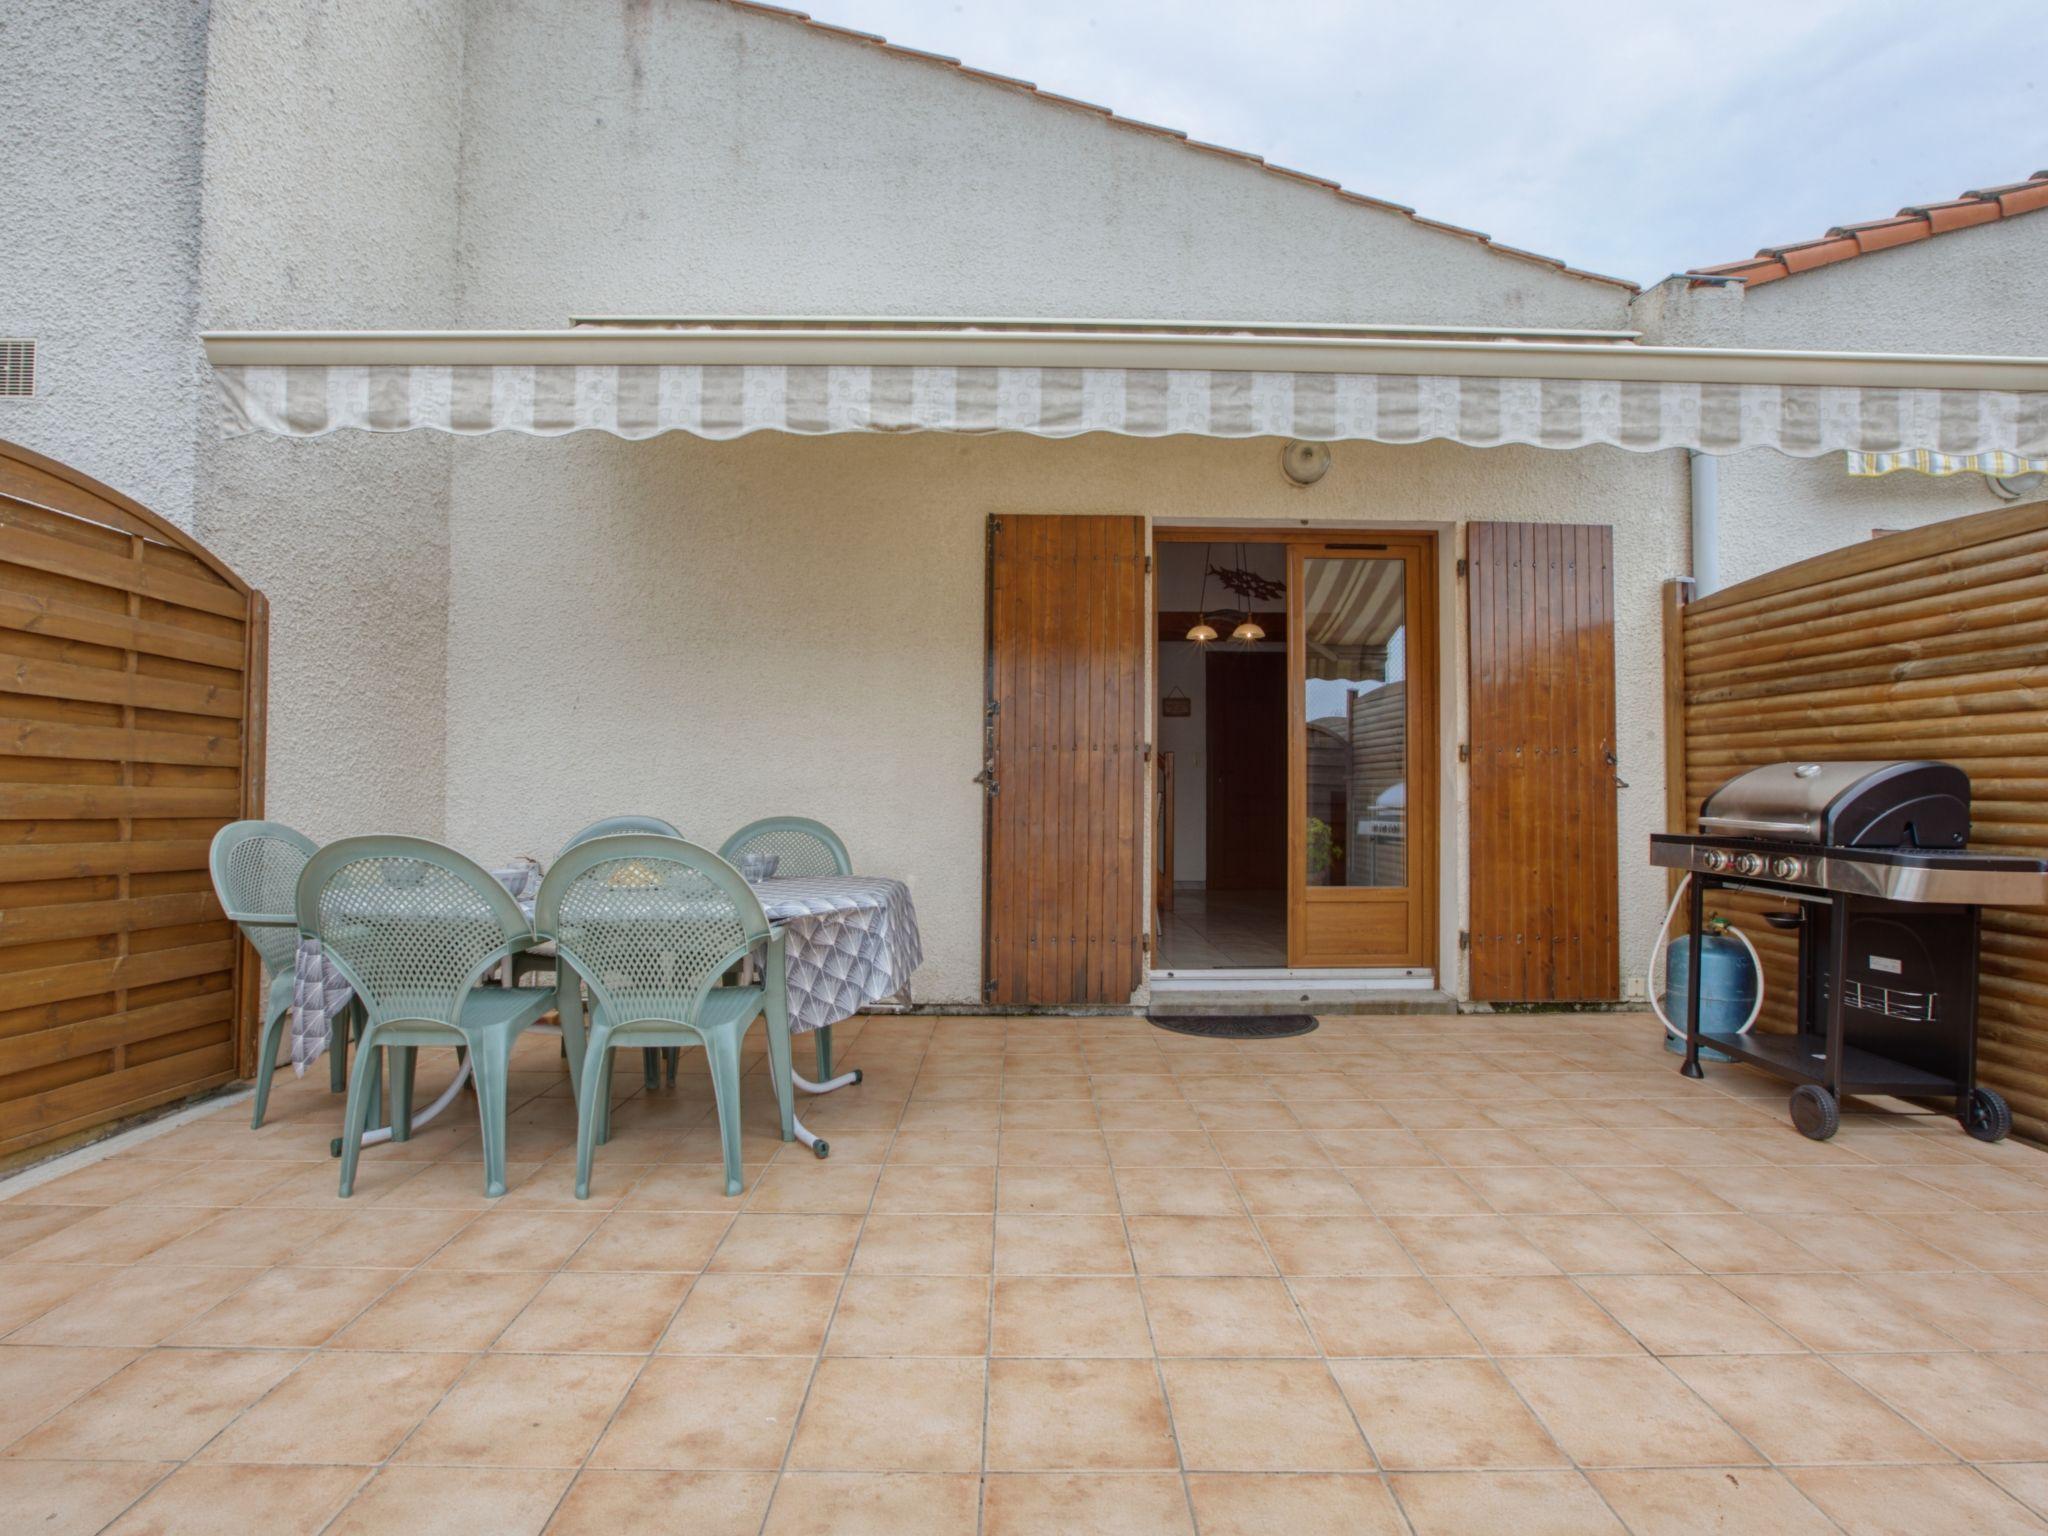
<point x="987" y="779"/>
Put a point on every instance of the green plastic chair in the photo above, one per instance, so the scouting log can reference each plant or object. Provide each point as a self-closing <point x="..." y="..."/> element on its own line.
<point x="255" y="867"/>
<point x="612" y="826"/>
<point x="414" y="927"/>
<point x="652" y="925"/>
<point x="799" y="846"/>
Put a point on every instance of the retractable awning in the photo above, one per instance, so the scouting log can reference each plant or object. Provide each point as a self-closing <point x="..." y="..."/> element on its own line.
<point x="724" y="379"/>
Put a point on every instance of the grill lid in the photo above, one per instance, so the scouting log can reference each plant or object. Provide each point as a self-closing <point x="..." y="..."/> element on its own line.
<point x="1845" y="805"/>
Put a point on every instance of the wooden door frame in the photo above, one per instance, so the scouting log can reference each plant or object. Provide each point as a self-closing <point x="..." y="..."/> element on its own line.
<point x="1425" y="707"/>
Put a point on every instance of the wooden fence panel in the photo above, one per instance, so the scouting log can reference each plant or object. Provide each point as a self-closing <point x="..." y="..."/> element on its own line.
<point x="132" y="676"/>
<point x="1926" y="644"/>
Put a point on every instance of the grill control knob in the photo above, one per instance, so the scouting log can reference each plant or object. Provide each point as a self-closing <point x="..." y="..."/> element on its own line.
<point x="1713" y="860"/>
<point x="1748" y="863"/>
<point x="1786" y="867"/>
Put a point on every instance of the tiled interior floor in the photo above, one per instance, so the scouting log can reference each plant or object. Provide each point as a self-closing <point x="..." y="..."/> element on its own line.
<point x="1430" y="1275"/>
<point x="1215" y="930"/>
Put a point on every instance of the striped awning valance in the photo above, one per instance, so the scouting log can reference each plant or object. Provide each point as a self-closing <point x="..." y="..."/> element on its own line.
<point x="725" y="401"/>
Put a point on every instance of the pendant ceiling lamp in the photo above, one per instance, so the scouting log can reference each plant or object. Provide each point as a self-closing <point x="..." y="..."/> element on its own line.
<point x="1202" y="631"/>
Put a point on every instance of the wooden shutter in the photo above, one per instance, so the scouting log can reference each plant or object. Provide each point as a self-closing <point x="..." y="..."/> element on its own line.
<point x="1066" y="672"/>
<point x="131" y="695"/>
<point x="1541" y="612"/>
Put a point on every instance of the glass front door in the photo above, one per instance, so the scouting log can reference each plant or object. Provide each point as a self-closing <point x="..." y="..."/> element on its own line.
<point x="1362" y="770"/>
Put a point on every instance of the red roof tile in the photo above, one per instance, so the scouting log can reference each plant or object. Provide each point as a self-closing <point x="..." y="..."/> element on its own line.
<point x="1919" y="222"/>
<point x="1174" y="135"/>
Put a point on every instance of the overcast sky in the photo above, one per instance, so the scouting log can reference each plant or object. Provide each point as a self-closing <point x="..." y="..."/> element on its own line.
<point x="1634" y="139"/>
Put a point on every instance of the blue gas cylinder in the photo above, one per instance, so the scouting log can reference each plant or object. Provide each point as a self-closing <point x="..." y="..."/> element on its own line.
<point x="1728" y="984"/>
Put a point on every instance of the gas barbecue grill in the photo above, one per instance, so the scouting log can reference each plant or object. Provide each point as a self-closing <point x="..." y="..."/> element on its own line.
<point x="1886" y="895"/>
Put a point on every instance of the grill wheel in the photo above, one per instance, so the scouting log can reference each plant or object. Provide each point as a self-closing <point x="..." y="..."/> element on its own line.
<point x="1814" y="1112"/>
<point x="1986" y="1115"/>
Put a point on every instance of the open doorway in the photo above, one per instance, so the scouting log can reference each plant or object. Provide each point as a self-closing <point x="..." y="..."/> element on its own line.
<point x="1221" y="791"/>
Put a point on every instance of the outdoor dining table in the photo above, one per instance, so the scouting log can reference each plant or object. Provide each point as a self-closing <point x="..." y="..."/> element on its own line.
<point x="849" y="940"/>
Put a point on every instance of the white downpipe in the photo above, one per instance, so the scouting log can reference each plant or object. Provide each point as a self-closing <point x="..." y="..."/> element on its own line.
<point x="1706" y="522"/>
<point x="1660" y="944"/>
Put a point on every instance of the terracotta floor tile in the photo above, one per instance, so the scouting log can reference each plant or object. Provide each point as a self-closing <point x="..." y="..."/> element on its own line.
<point x="1298" y="1192"/>
<point x="163" y="1407"/>
<point x="1965" y="1401"/>
<point x="1417" y="1192"/>
<point x="71" y="1498"/>
<point x="1527" y="1503"/>
<point x="1443" y="1415"/>
<point x="661" y="1503"/>
<point x="287" y="1309"/>
<point x="1837" y="1313"/>
<point x="1334" y="1245"/>
<point x="949" y="1146"/>
<point x="1734" y="1245"/>
<point x="443" y="1310"/>
<point x="230" y="1501"/>
<point x="2026" y="1481"/>
<point x="1178" y="1192"/>
<point x="1469" y="1245"/>
<point x="873" y="1504"/>
<point x="1380" y="1315"/>
<point x="925" y="1245"/>
<point x="1376" y="1148"/>
<point x="1148" y="1114"/>
<point x="131" y="1306"/>
<point x="1296" y="1504"/>
<point x="1113" y="1504"/>
<point x="1056" y="1191"/>
<point x="688" y="1187"/>
<point x="597" y="1313"/>
<point x="1907" y="1501"/>
<point x="911" y="1315"/>
<point x="1601" y="1245"/>
<point x="706" y="1413"/>
<point x="1057" y="1415"/>
<point x="519" y="1410"/>
<point x="1687" y="1315"/>
<point x="807" y="1185"/>
<point x="1217" y="1317"/>
<point x="1197" y="1245"/>
<point x="1063" y="1315"/>
<point x="385" y="1395"/>
<point x="22" y="1223"/>
<point x="1262" y="1416"/>
<point x="381" y="1238"/>
<point x="507" y="1240"/>
<point x="1061" y="1245"/>
<point x="1534" y="1315"/>
<point x="454" y="1501"/>
<point x="36" y="1381"/>
<point x="1977" y="1239"/>
<point x="767" y="1244"/>
<point x="932" y="1424"/>
<point x="115" y="1235"/>
<point x="913" y="1188"/>
<point x="1614" y="1410"/>
<point x="1800" y="1409"/>
<point x="1979" y="1311"/>
<point x="743" y="1314"/>
<point x="34" y="1289"/>
<point x="672" y="1241"/>
<point x="1681" y="1501"/>
<point x="1050" y="1149"/>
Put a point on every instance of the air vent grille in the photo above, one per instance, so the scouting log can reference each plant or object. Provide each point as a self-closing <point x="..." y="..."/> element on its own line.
<point x="17" y="369"/>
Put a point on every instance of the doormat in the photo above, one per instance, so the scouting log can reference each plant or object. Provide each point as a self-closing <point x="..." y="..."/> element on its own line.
<point x="1236" y="1026"/>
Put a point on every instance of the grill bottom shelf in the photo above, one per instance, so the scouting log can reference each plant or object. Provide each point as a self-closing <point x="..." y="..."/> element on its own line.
<point x="1798" y="1059"/>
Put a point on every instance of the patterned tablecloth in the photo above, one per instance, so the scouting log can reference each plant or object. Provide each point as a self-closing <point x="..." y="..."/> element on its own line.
<point x="851" y="940"/>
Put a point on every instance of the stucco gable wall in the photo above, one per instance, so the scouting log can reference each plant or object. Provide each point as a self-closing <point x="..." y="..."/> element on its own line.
<point x="688" y="157"/>
<point x="1972" y="290"/>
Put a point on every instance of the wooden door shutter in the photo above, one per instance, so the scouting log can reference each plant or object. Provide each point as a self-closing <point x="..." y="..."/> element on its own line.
<point x="131" y="728"/>
<point x="1544" y="920"/>
<point x="1064" y="887"/>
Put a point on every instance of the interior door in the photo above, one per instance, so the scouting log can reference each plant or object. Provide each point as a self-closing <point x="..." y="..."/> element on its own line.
<point x="1246" y="744"/>
<point x="1066" y="776"/>
<point x="1361" y="736"/>
<point x="1544" y="898"/>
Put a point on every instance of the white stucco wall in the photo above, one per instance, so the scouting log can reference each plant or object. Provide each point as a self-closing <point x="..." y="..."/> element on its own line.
<point x="728" y="630"/>
<point x="331" y="200"/>
<point x="1979" y="290"/>
<point x="99" y="236"/>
